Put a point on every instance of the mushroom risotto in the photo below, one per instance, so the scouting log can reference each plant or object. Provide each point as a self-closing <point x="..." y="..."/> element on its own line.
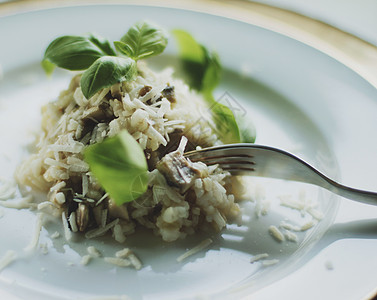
<point x="161" y="114"/>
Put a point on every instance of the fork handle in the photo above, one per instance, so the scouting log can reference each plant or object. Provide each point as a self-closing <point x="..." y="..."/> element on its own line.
<point x="358" y="195"/>
<point x="305" y="172"/>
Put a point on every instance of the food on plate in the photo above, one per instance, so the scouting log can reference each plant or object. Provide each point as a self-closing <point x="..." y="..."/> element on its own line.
<point x="110" y="152"/>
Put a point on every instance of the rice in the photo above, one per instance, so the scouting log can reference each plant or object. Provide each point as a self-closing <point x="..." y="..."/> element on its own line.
<point x="7" y="259"/>
<point x="55" y="235"/>
<point x="158" y="111"/>
<point x="93" y="252"/>
<point x="258" y="257"/>
<point x="135" y="261"/>
<point x="101" y="231"/>
<point x="123" y="253"/>
<point x="276" y="233"/>
<point x="85" y="259"/>
<point x="290" y="236"/>
<point x="7" y="189"/>
<point x="21" y="203"/>
<point x="269" y="262"/>
<point x="120" y="262"/>
<point x="44" y="248"/>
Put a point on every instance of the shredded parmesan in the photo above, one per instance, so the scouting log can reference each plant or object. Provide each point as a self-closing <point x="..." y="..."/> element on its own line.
<point x="67" y="232"/>
<point x="7" y="259"/>
<point x="38" y="227"/>
<point x="7" y="189"/>
<point x="101" y="231"/>
<point x="19" y="203"/>
<point x="204" y="244"/>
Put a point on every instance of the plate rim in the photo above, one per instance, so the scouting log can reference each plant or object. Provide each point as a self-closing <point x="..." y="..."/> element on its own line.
<point x="365" y="66"/>
<point x="353" y="52"/>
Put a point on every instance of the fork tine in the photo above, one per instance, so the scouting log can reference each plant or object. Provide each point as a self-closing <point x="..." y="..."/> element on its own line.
<point x="233" y="164"/>
<point x="231" y="158"/>
<point x="266" y="161"/>
<point x="239" y="150"/>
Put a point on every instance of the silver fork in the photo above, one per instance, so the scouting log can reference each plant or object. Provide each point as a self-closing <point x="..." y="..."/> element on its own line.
<point x="258" y="160"/>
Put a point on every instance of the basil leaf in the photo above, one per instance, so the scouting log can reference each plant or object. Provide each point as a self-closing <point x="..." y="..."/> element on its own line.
<point x="204" y="74"/>
<point x="75" y="52"/>
<point x="203" y="67"/>
<point x="246" y="129"/>
<point x="105" y="72"/>
<point x="102" y="44"/>
<point x="142" y="40"/>
<point x="119" y="165"/>
<point x="204" y="71"/>
<point x="48" y="66"/>
<point x="226" y="125"/>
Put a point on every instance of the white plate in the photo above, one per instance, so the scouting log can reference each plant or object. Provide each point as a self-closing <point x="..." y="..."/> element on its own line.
<point x="298" y="98"/>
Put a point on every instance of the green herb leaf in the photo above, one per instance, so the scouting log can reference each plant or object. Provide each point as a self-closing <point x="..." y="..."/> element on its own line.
<point x="226" y="125"/>
<point x="247" y="130"/>
<point x="202" y="66"/>
<point x="76" y="52"/>
<point x="105" y="72"/>
<point x="204" y="74"/>
<point x="48" y="66"/>
<point x="142" y="40"/>
<point x="102" y="44"/>
<point x="119" y="165"/>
